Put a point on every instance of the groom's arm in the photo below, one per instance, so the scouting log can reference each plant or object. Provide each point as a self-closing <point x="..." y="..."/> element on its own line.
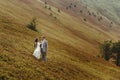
<point x="46" y="46"/>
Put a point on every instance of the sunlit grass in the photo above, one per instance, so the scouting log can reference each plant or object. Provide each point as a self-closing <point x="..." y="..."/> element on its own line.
<point x="72" y="45"/>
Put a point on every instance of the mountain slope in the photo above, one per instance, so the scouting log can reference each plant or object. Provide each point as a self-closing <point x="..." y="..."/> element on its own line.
<point x="73" y="43"/>
<point x="109" y="8"/>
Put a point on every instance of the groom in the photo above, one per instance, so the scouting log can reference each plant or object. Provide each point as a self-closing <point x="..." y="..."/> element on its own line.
<point x="44" y="48"/>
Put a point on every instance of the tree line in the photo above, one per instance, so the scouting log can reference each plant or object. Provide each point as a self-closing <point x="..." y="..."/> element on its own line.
<point x="110" y="48"/>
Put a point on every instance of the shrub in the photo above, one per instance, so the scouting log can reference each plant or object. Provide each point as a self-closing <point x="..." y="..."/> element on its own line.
<point x="106" y="50"/>
<point x="45" y="6"/>
<point x="59" y="10"/>
<point x="89" y="13"/>
<point x="32" y="25"/>
<point x="94" y="14"/>
<point x="111" y="23"/>
<point x="70" y="6"/>
<point x="51" y="14"/>
<point x="109" y="49"/>
<point x="85" y="20"/>
<point x="81" y="11"/>
<point x="55" y="17"/>
<point x="67" y="8"/>
<point x="45" y="2"/>
<point x="99" y="19"/>
<point x="49" y="8"/>
<point x="116" y="49"/>
<point x="75" y="6"/>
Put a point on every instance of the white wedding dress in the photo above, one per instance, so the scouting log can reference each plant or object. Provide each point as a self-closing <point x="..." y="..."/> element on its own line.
<point x="37" y="51"/>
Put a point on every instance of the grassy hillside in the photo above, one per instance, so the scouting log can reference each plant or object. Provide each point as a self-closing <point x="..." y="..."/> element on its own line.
<point x="73" y="43"/>
<point x="92" y="15"/>
<point x="109" y="9"/>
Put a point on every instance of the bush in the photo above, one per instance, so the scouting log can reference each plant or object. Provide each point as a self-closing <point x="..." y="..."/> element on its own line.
<point x="94" y="14"/>
<point x="81" y="11"/>
<point x="111" y="23"/>
<point x="75" y="6"/>
<point x="45" y="6"/>
<point x="106" y="50"/>
<point x="109" y="49"/>
<point x="70" y="6"/>
<point x="51" y="14"/>
<point x="32" y="25"/>
<point x="89" y="13"/>
<point x="45" y="2"/>
<point x="99" y="19"/>
<point x="116" y="49"/>
<point x="49" y="8"/>
<point x="55" y="17"/>
<point x="59" y="10"/>
<point x="85" y="20"/>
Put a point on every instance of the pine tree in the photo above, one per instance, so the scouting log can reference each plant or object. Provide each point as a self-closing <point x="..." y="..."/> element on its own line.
<point x="32" y="25"/>
<point x="116" y="49"/>
<point x="106" y="50"/>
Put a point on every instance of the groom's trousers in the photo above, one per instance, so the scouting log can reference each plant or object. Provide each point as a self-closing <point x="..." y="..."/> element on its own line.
<point x="43" y="55"/>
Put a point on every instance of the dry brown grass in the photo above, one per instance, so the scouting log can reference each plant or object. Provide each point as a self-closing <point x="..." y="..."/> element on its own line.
<point x="72" y="45"/>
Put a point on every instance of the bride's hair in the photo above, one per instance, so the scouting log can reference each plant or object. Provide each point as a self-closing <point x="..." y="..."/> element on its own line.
<point x="36" y="40"/>
<point x="35" y="43"/>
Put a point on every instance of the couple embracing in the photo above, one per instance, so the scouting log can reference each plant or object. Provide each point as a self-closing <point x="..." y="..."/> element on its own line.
<point x="41" y="48"/>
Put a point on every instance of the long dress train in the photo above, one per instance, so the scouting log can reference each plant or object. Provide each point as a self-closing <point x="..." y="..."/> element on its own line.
<point x="37" y="51"/>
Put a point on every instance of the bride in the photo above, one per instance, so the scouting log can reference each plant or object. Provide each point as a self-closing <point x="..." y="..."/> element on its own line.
<point x="37" y="51"/>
